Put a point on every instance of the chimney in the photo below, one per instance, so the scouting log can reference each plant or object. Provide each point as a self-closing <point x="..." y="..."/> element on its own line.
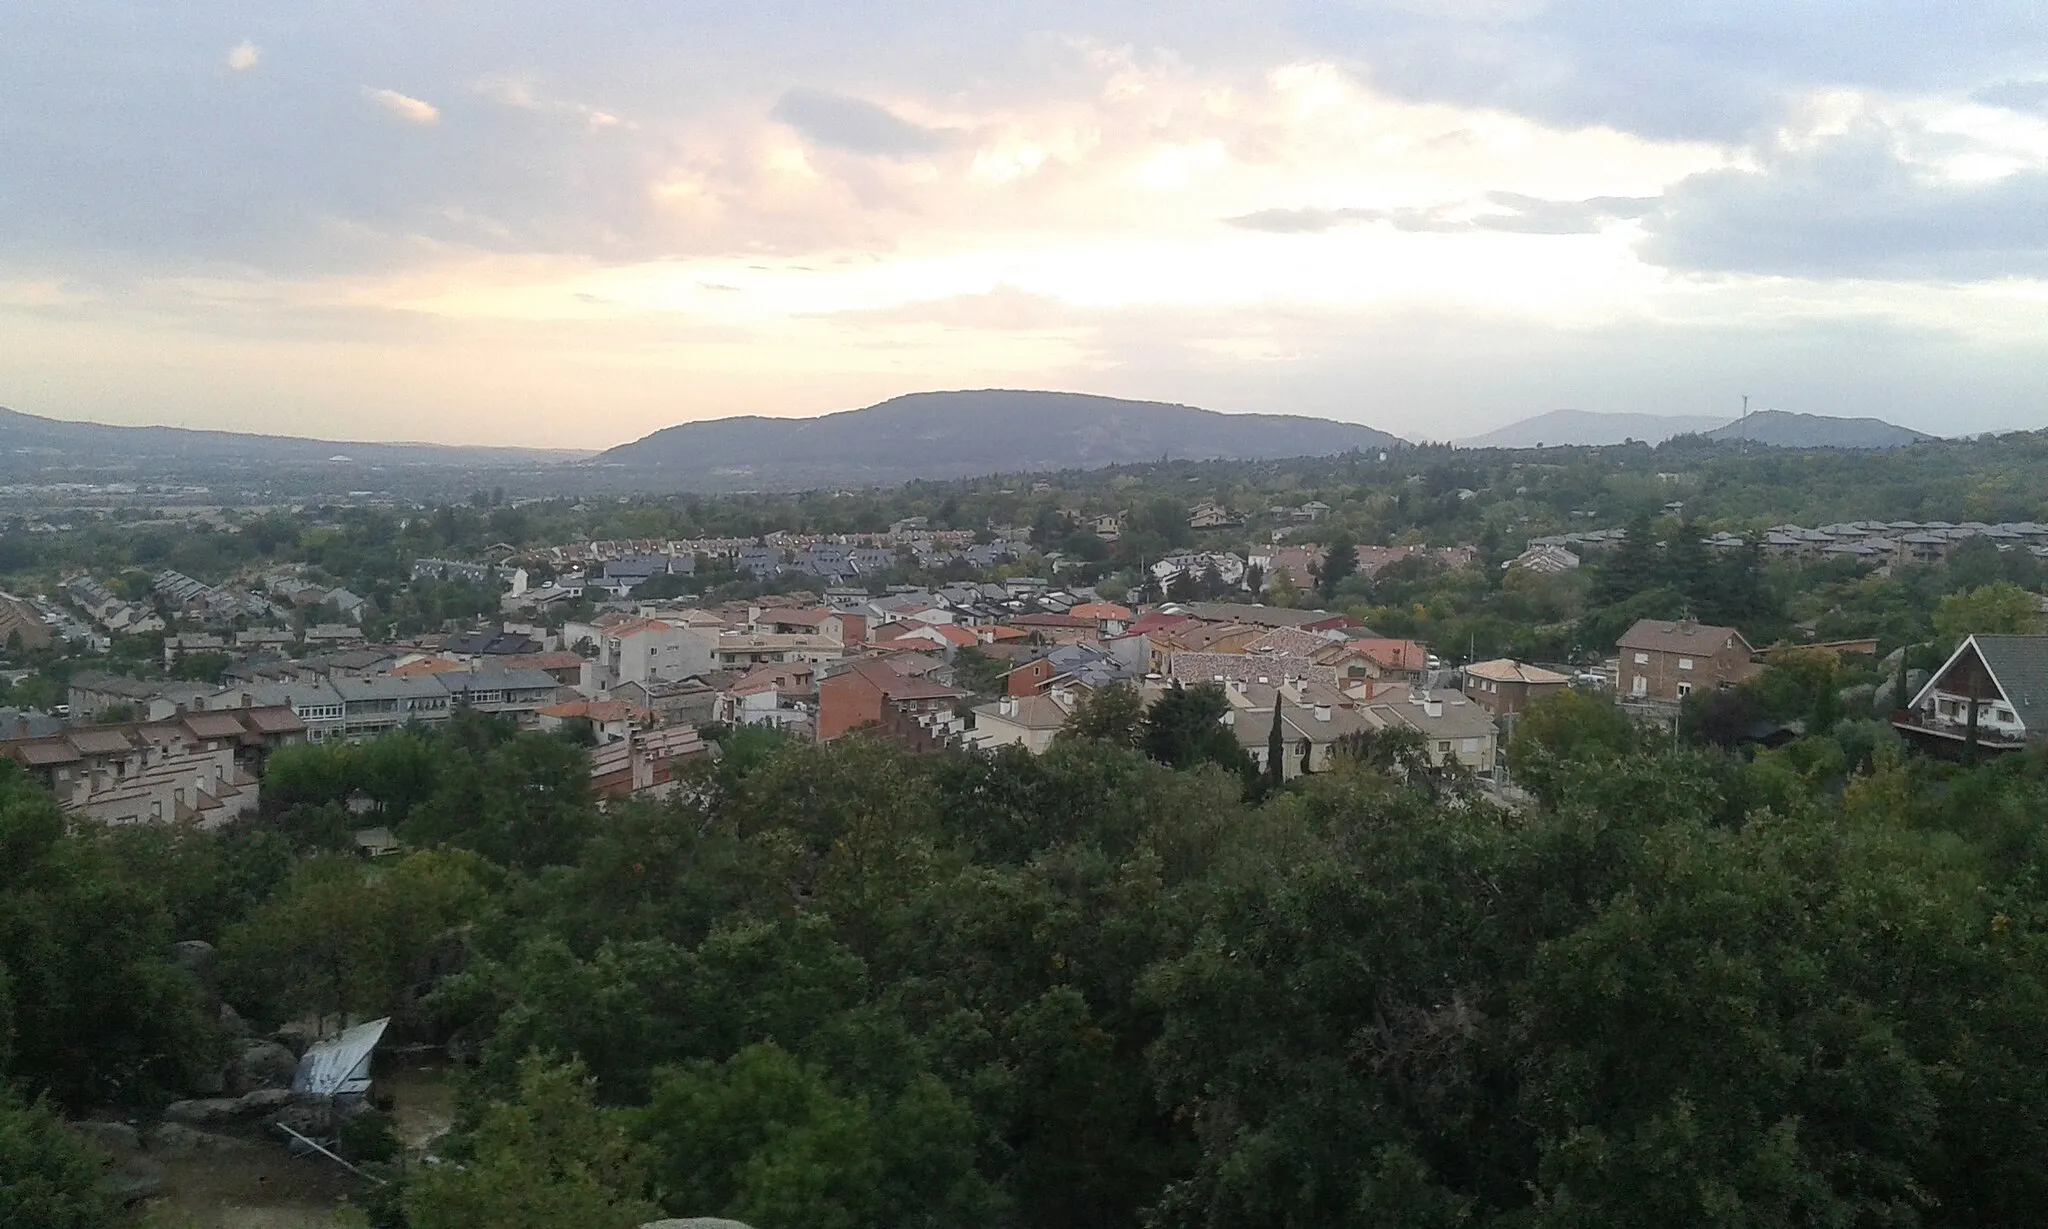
<point x="1322" y="712"/>
<point x="1229" y="717"/>
<point x="1007" y="706"/>
<point x="1433" y="708"/>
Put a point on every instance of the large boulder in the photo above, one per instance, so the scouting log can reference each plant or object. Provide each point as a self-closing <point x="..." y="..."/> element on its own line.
<point x="298" y="1036"/>
<point x="204" y="1112"/>
<point x="232" y="1023"/>
<point x="261" y="1064"/>
<point x="177" y="1140"/>
<point x="264" y="1102"/>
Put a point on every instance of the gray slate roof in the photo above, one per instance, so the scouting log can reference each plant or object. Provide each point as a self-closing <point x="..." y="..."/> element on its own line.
<point x="2020" y="664"/>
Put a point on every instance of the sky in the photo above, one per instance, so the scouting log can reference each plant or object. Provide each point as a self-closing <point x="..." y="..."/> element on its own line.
<point x="570" y="225"/>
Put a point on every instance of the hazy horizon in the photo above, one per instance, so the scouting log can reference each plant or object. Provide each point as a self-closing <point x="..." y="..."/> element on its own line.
<point x="568" y="229"/>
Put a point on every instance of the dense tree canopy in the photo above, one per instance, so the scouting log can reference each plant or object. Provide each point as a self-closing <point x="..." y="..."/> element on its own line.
<point x="843" y="986"/>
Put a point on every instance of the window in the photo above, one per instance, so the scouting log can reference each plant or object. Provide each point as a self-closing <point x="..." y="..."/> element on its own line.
<point x="1642" y="659"/>
<point x="1684" y="690"/>
<point x="1443" y="748"/>
<point x="1685" y="663"/>
<point x="156" y="811"/>
<point x="1641" y="686"/>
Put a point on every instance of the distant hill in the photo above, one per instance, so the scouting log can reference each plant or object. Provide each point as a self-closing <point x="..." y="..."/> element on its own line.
<point x="1781" y="429"/>
<point x="959" y="434"/>
<point x="30" y="442"/>
<point x="1585" y="427"/>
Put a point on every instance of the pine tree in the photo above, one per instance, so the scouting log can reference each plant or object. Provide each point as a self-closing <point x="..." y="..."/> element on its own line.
<point x="1276" y="747"/>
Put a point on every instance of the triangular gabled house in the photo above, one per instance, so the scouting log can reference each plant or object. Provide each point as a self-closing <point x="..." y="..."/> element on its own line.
<point x="2003" y="678"/>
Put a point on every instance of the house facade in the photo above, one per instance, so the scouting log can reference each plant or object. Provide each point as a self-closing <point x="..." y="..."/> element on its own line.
<point x="1504" y="687"/>
<point x="201" y="768"/>
<point x="866" y="692"/>
<point x="1664" y="661"/>
<point x="1998" y="684"/>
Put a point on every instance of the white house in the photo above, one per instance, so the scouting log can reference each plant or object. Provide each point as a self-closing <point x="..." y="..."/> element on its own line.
<point x="2004" y="678"/>
<point x="1029" y="722"/>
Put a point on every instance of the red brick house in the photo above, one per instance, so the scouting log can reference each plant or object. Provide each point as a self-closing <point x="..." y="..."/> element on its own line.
<point x="1664" y="661"/>
<point x="868" y="692"/>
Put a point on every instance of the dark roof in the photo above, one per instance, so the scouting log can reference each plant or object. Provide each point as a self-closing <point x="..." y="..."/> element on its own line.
<point x="2020" y="664"/>
<point x="1261" y="616"/>
<point x="492" y="644"/>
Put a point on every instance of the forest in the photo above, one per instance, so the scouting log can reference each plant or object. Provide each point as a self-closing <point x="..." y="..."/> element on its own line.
<point x="1116" y="985"/>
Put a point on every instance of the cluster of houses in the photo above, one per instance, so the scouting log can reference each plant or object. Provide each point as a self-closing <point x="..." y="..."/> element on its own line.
<point x="219" y="608"/>
<point x="113" y="615"/>
<point x="1875" y="543"/>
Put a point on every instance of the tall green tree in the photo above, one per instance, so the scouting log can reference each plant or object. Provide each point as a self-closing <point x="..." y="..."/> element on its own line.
<point x="1276" y="750"/>
<point x="1338" y="564"/>
<point x="550" y="1159"/>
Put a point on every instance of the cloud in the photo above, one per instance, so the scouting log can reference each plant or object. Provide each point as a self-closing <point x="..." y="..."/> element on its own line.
<point x="244" y="56"/>
<point x="1500" y="211"/>
<point x="1529" y="215"/>
<point x="1303" y="221"/>
<point x="1688" y="71"/>
<point x="521" y="95"/>
<point x="2015" y="95"/>
<point x="840" y="121"/>
<point x="409" y="109"/>
<point x="1853" y="207"/>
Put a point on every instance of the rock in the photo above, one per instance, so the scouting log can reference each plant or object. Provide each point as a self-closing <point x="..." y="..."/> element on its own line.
<point x="195" y="956"/>
<point x="175" y="1140"/>
<point x="232" y="1023"/>
<point x="112" y="1138"/>
<point x="296" y="1037"/>
<point x="264" y="1101"/>
<point x="135" y="1179"/>
<point x="208" y="1084"/>
<point x="206" y="1111"/>
<point x="306" y="1115"/>
<point x="261" y="1064"/>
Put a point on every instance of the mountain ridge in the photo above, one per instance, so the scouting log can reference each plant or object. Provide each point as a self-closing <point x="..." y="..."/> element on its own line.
<point x="961" y="433"/>
<point x="1785" y="429"/>
<point x="32" y="435"/>
<point x="1590" y="428"/>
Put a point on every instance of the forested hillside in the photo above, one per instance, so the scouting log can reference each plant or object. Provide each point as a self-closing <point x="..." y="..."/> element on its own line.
<point x="1120" y="984"/>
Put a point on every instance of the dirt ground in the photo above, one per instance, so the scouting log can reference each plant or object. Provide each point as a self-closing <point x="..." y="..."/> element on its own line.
<point x="262" y="1186"/>
<point x="259" y="1187"/>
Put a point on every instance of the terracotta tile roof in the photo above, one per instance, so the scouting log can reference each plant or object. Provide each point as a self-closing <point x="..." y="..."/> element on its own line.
<point x="1508" y="670"/>
<point x="903" y="687"/>
<point x="1053" y="620"/>
<point x="214" y="725"/>
<point x="1666" y="636"/>
<point x="560" y="659"/>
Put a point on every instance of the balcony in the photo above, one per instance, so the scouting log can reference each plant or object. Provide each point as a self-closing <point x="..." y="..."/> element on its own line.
<point x="1914" y="722"/>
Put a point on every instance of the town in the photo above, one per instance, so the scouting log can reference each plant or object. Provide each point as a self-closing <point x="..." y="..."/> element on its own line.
<point x="624" y="646"/>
